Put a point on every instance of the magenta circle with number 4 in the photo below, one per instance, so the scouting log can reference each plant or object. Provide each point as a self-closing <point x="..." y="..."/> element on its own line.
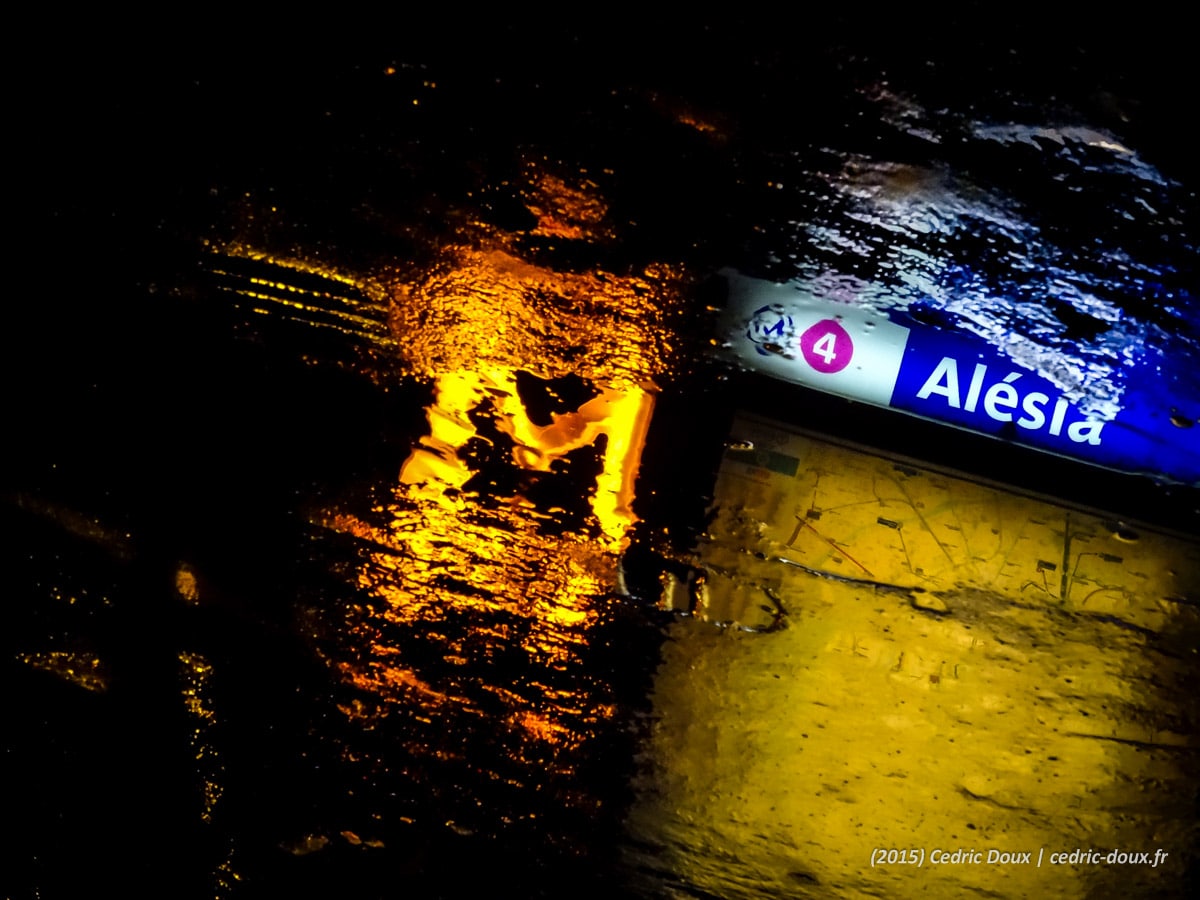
<point x="827" y="347"/>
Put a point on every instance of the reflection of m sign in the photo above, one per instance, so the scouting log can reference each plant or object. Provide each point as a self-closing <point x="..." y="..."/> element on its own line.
<point x="621" y="415"/>
<point x="769" y="329"/>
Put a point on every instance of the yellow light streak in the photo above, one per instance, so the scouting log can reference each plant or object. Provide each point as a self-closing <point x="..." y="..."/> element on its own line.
<point x="81" y="668"/>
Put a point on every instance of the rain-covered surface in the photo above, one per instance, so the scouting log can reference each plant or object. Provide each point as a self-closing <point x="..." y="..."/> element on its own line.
<point x="363" y="402"/>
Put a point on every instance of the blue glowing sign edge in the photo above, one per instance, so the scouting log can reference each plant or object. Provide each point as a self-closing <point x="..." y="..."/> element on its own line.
<point x="952" y="378"/>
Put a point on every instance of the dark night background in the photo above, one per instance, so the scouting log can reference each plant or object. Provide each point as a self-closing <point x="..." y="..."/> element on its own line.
<point x="144" y="427"/>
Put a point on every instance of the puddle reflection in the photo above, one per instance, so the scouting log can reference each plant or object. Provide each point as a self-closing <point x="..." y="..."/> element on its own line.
<point x="481" y="576"/>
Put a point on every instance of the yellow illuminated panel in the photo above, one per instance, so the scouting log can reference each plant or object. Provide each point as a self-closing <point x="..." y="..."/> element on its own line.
<point x="962" y="668"/>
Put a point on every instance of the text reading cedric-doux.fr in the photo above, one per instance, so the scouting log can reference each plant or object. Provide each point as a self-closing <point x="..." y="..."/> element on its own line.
<point x="1002" y="402"/>
<point x="917" y="857"/>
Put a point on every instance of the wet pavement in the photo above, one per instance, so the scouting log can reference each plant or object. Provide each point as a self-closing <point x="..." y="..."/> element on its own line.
<point x="385" y="520"/>
<point x="912" y="661"/>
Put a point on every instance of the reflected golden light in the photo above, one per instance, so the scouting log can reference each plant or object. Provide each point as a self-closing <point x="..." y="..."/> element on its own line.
<point x="543" y="728"/>
<point x="89" y="528"/>
<point x="186" y="584"/>
<point x="484" y="576"/>
<point x="480" y="575"/>
<point x="279" y="287"/>
<point x="368" y="287"/>
<point x="570" y="212"/>
<point x="392" y="679"/>
<point x="478" y="586"/>
<point x="197" y="674"/>
<point x="622" y="416"/>
<point x="81" y="668"/>
<point x="474" y="324"/>
<point x="484" y="308"/>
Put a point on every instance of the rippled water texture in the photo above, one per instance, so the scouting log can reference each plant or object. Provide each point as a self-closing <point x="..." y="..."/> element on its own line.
<point x="386" y="522"/>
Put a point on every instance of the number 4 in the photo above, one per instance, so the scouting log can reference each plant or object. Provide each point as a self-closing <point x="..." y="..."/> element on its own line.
<point x="826" y="347"/>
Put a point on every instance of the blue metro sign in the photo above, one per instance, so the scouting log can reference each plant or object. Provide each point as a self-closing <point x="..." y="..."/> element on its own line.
<point x="958" y="379"/>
